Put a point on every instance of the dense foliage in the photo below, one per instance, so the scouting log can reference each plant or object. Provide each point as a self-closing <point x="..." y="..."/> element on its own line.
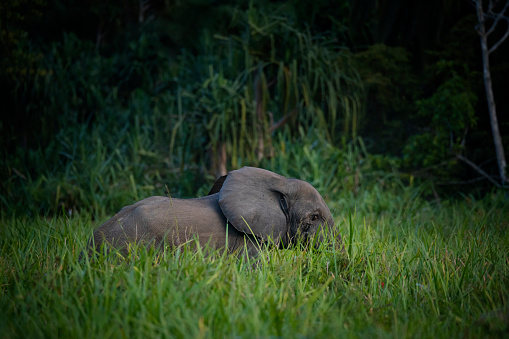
<point x="105" y="102"/>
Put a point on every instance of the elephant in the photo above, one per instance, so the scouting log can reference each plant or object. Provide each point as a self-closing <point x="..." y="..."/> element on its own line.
<point x="245" y="209"/>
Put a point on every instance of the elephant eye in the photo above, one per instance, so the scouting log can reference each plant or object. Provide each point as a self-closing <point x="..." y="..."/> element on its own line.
<point x="314" y="217"/>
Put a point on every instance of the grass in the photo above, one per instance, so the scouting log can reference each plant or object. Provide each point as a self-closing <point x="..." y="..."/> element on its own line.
<point x="416" y="270"/>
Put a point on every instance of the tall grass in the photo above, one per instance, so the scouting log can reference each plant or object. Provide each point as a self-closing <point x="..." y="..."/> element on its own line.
<point x="420" y="270"/>
<point x="244" y="84"/>
<point x="135" y="119"/>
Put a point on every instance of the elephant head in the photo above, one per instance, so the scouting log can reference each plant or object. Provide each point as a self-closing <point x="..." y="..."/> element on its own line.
<point x="270" y="206"/>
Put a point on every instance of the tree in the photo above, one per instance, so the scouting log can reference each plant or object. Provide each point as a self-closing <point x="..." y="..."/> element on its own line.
<point x="484" y="31"/>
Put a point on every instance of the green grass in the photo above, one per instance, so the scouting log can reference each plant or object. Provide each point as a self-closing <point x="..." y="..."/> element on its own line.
<point x="415" y="270"/>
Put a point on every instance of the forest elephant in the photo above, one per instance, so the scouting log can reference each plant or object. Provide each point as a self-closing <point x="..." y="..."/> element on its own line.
<point x="245" y="209"/>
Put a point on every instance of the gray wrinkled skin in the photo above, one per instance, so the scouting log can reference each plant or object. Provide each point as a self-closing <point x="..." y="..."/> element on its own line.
<point x="248" y="208"/>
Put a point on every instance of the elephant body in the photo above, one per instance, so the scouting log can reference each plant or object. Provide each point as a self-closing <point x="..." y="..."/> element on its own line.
<point x="244" y="209"/>
<point x="178" y="221"/>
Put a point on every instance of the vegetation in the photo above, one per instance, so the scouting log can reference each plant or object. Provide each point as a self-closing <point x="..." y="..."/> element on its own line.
<point x="411" y="269"/>
<point x="109" y="103"/>
<point x="381" y="110"/>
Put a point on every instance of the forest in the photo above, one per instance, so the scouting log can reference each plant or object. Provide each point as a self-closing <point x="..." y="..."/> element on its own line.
<point x="384" y="106"/>
<point x="109" y="101"/>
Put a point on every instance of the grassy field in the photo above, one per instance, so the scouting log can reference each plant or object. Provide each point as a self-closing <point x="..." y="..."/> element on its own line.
<point x="416" y="269"/>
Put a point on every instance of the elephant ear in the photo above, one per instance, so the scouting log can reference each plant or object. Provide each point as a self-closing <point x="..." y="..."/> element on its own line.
<point x="250" y="199"/>
<point x="217" y="185"/>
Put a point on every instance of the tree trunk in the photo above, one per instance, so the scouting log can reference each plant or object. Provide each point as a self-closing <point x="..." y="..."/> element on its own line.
<point x="489" y="93"/>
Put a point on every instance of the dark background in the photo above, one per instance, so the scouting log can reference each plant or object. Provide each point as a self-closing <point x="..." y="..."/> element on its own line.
<point x="103" y="102"/>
